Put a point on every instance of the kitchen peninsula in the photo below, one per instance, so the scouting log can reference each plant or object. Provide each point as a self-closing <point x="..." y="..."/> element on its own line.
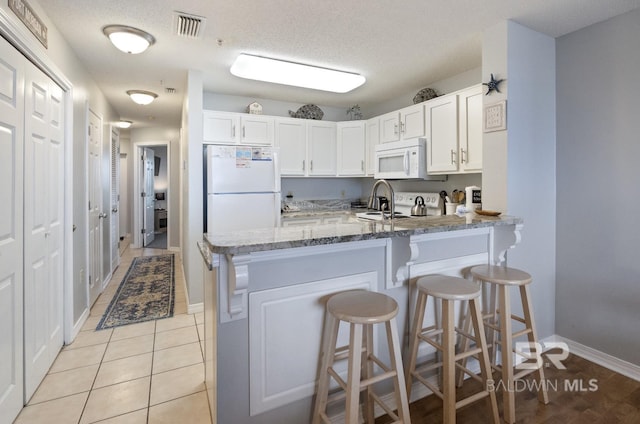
<point x="265" y="292"/>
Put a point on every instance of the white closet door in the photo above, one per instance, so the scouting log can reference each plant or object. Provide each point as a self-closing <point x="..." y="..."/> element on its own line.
<point x="12" y="66"/>
<point x="115" y="199"/>
<point x="43" y="225"/>
<point x="94" y="136"/>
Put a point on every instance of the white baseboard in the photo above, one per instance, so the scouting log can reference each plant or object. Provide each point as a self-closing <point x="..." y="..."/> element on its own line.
<point x="603" y="359"/>
<point x="195" y="308"/>
<point x="78" y="325"/>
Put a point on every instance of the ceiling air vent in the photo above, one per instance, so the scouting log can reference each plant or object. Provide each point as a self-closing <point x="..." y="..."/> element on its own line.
<point x="186" y="25"/>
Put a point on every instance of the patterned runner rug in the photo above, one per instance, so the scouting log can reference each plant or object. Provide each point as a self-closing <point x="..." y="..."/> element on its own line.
<point x="146" y="293"/>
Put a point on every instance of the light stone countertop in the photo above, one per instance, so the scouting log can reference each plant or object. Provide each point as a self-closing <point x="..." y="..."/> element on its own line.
<point x="355" y="229"/>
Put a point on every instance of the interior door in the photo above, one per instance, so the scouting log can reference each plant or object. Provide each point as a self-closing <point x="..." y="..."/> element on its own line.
<point x="115" y="199"/>
<point x="148" y="161"/>
<point x="43" y="225"/>
<point x="95" y="206"/>
<point x="11" y="230"/>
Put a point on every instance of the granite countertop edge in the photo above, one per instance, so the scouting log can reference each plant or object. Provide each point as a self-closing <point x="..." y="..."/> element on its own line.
<point x="246" y="242"/>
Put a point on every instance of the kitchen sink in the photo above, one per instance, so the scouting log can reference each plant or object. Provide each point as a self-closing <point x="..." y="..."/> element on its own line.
<point x="376" y="216"/>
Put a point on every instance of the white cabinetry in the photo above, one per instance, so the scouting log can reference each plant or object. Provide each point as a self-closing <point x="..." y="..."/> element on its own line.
<point x="307" y="147"/>
<point x="351" y="148"/>
<point x="291" y="138"/>
<point x="373" y="139"/>
<point x="237" y="128"/>
<point x="403" y="124"/>
<point x="284" y="328"/>
<point x="454" y="132"/>
<point x="470" y="128"/>
<point x="321" y="141"/>
<point x="442" y="134"/>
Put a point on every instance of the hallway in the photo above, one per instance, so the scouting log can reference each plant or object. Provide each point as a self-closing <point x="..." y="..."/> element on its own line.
<point x="152" y="372"/>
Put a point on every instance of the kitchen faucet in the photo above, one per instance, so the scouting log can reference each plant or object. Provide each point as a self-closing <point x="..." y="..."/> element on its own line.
<point x="374" y="192"/>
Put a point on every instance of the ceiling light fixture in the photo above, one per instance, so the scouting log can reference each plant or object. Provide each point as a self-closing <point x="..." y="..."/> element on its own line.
<point x="142" y="97"/>
<point x="123" y="124"/>
<point x="296" y="74"/>
<point x="128" y="39"/>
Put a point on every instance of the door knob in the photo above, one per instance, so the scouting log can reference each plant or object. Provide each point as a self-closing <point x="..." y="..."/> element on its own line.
<point x="114" y="210"/>
<point x="102" y="215"/>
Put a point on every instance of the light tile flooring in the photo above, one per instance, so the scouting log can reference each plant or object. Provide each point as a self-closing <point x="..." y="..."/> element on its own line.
<point x="147" y="373"/>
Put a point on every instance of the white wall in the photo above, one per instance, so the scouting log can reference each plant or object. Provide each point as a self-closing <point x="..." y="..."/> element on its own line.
<point x="519" y="163"/>
<point x="229" y="103"/>
<point x="85" y="94"/>
<point x="598" y="290"/>
<point x="192" y="187"/>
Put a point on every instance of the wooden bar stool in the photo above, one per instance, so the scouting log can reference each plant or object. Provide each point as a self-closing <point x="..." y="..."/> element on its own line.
<point x="443" y="338"/>
<point x="361" y="309"/>
<point x="504" y="278"/>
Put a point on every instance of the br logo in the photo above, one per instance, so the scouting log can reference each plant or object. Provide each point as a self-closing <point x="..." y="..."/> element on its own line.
<point x="533" y="353"/>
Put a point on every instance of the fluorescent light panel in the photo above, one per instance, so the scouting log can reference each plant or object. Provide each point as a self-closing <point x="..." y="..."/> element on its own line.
<point x="296" y="74"/>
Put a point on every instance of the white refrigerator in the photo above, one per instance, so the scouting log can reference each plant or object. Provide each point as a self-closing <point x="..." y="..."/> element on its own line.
<point x="243" y="188"/>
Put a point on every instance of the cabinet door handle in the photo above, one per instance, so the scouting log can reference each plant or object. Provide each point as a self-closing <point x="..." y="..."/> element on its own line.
<point x="395" y="128"/>
<point x="303" y="165"/>
<point x="402" y="127"/>
<point x="362" y="165"/>
<point x="233" y="131"/>
<point x="311" y="165"/>
<point x="243" y="132"/>
<point x="462" y="156"/>
<point x="453" y="157"/>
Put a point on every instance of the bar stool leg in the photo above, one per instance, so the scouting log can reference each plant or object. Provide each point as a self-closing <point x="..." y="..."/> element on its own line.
<point x="353" y="381"/>
<point x="367" y="369"/>
<point x="543" y="396"/>
<point x="328" y="356"/>
<point x="448" y="366"/>
<point x="416" y="328"/>
<point x="396" y="363"/>
<point x="483" y="356"/>
<point x="508" y="397"/>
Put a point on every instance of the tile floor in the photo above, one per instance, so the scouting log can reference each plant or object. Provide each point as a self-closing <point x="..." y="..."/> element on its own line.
<point x="147" y="373"/>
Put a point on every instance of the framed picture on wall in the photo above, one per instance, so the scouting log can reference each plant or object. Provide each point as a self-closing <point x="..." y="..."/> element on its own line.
<point x="495" y="116"/>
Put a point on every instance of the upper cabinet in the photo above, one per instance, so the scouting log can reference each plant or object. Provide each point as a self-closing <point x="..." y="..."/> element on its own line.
<point x="291" y="138"/>
<point x="373" y="139"/>
<point x="351" y="148"/>
<point x="403" y="124"/>
<point x="307" y="147"/>
<point x="454" y="132"/>
<point x="470" y="128"/>
<point x="322" y="148"/>
<point x="237" y="128"/>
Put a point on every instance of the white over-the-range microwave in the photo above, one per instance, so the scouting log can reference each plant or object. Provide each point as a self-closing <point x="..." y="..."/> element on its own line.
<point x="403" y="160"/>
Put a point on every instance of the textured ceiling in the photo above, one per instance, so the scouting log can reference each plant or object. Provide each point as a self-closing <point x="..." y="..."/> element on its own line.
<point x="399" y="46"/>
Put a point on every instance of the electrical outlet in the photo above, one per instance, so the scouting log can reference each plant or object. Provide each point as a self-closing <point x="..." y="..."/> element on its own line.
<point x="342" y="194"/>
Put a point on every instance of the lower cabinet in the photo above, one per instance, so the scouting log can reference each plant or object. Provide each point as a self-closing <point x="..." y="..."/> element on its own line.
<point x="285" y="325"/>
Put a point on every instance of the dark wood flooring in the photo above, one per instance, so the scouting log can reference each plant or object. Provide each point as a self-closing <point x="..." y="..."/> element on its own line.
<point x="584" y="393"/>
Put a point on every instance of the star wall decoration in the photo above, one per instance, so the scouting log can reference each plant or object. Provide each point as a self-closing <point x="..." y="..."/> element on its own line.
<point x="492" y="85"/>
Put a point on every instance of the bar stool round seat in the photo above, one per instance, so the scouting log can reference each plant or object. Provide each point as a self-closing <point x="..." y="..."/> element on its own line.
<point x="503" y="278"/>
<point x="442" y="336"/>
<point x="501" y="275"/>
<point x="360" y="309"/>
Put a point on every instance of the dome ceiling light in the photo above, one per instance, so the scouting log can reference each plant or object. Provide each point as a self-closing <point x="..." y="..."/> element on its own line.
<point x="142" y="97"/>
<point x="128" y="39"/>
<point x="123" y="124"/>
